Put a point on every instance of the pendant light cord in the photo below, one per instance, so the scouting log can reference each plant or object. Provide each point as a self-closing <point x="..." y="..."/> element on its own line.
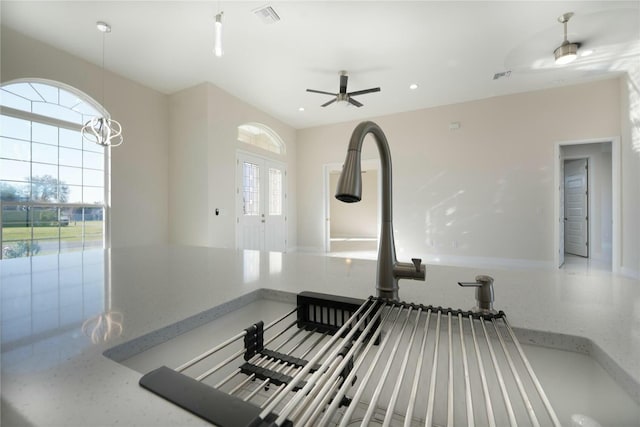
<point x="104" y="108"/>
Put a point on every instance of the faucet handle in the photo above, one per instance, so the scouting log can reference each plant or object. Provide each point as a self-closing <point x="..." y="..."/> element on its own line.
<point x="417" y="262"/>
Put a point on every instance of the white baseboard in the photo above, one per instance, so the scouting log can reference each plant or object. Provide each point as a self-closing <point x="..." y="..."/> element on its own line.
<point x="310" y="249"/>
<point x="490" y="262"/>
<point x="479" y="262"/>
<point x="629" y="272"/>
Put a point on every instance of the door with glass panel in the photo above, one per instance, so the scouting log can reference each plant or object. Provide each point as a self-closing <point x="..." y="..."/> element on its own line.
<point x="260" y="194"/>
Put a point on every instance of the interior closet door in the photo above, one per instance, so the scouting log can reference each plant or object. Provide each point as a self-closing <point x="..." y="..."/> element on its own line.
<point x="261" y="195"/>
<point x="576" y="240"/>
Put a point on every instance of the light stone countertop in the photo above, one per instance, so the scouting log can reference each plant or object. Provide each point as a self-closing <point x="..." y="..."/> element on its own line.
<point x="53" y="374"/>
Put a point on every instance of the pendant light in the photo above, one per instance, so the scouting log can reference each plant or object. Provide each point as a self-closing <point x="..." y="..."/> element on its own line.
<point x="103" y="131"/>
<point x="217" y="47"/>
<point x="567" y="52"/>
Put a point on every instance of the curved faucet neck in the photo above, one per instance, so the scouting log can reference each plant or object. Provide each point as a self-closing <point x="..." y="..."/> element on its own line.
<point x="350" y="190"/>
<point x="355" y="144"/>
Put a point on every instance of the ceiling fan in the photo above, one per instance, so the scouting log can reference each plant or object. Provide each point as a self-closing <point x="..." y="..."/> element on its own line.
<point x="597" y="42"/>
<point x="343" y="95"/>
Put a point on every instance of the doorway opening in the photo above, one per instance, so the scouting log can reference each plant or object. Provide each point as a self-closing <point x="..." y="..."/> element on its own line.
<point x="351" y="229"/>
<point x="587" y="204"/>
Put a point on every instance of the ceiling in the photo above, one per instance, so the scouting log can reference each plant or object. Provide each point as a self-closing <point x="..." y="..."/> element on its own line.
<point x="450" y="49"/>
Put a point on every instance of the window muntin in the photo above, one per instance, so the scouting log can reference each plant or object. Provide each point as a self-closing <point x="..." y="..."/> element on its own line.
<point x="262" y="137"/>
<point x="275" y="191"/>
<point x="52" y="183"/>
<point x="47" y="100"/>
<point x="250" y="189"/>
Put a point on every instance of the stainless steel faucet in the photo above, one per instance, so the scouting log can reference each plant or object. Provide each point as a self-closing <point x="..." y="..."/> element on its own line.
<point x="350" y="190"/>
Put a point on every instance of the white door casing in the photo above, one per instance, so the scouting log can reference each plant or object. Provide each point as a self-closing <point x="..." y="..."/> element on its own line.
<point x="616" y="204"/>
<point x="561" y="218"/>
<point x="260" y="203"/>
<point x="576" y="233"/>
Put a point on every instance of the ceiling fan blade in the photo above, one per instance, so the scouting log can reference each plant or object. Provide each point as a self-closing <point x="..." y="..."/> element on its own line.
<point x="329" y="103"/>
<point x="362" y="92"/>
<point x="343" y="83"/>
<point x="354" y="102"/>
<point x="322" y="92"/>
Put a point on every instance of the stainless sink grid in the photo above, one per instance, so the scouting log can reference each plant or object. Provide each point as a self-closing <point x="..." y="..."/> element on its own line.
<point x="384" y="363"/>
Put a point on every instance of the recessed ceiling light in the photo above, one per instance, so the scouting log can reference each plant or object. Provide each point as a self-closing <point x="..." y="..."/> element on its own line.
<point x="413" y="86"/>
<point x="103" y="27"/>
<point x="301" y="109"/>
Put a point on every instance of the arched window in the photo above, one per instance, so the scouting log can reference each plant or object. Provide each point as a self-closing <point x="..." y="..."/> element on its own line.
<point x="53" y="184"/>
<point x="261" y="136"/>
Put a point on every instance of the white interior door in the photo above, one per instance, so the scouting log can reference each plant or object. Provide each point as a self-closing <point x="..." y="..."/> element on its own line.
<point x="576" y="233"/>
<point x="261" y="195"/>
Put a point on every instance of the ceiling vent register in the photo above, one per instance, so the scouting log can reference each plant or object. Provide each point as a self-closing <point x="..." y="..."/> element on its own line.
<point x="267" y="14"/>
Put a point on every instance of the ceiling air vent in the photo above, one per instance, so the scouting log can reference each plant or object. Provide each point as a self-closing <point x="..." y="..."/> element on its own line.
<point x="501" y="75"/>
<point x="267" y="14"/>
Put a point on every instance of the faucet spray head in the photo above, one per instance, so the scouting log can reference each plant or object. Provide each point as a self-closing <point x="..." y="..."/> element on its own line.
<point x="349" y="188"/>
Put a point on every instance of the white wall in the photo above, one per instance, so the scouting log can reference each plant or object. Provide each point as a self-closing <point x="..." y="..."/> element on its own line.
<point x="600" y="196"/>
<point x="630" y="180"/>
<point x="482" y="194"/>
<point x="139" y="200"/>
<point x="204" y="122"/>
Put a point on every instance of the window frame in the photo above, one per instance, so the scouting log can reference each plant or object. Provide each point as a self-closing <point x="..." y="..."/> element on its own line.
<point x="59" y="123"/>
<point x="274" y="140"/>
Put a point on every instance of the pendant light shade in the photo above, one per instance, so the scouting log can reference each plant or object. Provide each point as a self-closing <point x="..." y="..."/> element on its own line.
<point x="103" y="130"/>
<point x="217" y="47"/>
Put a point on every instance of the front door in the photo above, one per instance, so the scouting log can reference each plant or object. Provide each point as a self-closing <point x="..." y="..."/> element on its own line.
<point x="260" y="196"/>
<point x="576" y="230"/>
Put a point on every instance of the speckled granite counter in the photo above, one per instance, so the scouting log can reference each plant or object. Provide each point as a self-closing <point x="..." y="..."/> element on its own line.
<point x="53" y="374"/>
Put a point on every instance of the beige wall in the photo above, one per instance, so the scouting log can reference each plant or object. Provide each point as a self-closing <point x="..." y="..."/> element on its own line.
<point x="365" y="212"/>
<point x="188" y="207"/>
<point x="203" y="146"/>
<point x="482" y="194"/>
<point x="139" y="201"/>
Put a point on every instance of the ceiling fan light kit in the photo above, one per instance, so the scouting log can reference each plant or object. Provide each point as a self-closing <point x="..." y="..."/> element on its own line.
<point x="567" y="52"/>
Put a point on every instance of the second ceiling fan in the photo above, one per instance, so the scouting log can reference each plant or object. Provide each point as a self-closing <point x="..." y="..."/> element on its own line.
<point x="343" y="95"/>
